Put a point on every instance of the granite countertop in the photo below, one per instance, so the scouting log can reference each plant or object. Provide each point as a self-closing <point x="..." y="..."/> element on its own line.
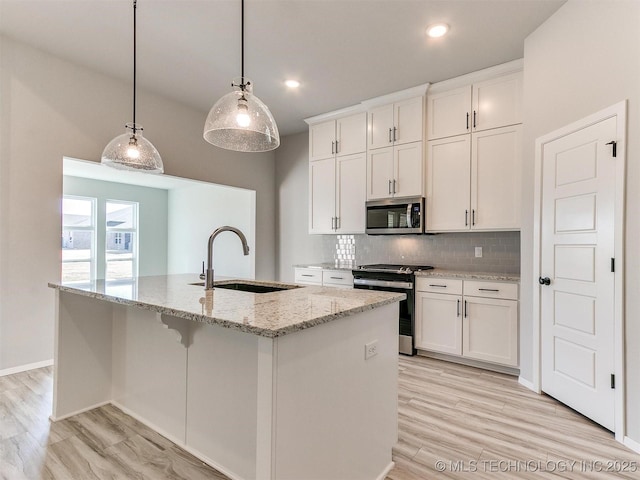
<point x="265" y="314"/>
<point x="323" y="266"/>
<point x="465" y="275"/>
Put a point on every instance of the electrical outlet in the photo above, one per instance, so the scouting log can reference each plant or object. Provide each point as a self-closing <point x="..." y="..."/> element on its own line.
<point x="370" y="349"/>
<point x="478" y="252"/>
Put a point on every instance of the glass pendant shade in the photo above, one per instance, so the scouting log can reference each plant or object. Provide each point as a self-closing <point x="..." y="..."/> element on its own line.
<point x="131" y="151"/>
<point x="240" y="121"/>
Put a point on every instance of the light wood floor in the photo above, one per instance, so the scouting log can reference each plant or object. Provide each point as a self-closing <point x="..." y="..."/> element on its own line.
<point x="482" y="424"/>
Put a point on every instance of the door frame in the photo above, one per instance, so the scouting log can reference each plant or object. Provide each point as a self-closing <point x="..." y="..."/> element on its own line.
<point x="618" y="110"/>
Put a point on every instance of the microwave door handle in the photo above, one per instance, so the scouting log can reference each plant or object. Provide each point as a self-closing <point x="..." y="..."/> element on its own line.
<point x="409" y="219"/>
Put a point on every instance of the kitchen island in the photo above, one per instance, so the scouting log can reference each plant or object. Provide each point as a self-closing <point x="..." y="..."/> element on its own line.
<point x="294" y="384"/>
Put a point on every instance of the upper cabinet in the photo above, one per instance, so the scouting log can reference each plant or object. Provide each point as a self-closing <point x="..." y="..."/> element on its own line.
<point x="396" y="123"/>
<point x="492" y="103"/>
<point x="344" y="136"/>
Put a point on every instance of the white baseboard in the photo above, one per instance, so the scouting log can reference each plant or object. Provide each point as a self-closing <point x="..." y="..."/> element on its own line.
<point x="526" y="383"/>
<point x="24" y="368"/>
<point x="384" y="473"/>
<point x="78" y="412"/>
<point x="632" y="444"/>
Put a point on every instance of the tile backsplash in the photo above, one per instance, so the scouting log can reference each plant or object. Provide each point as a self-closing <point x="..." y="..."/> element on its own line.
<point x="500" y="250"/>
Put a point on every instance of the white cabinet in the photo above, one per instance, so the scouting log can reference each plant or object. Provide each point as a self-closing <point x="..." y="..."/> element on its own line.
<point x="396" y="124"/>
<point x="337" y="194"/>
<point x="395" y="171"/>
<point x="492" y="103"/>
<point x="344" y="136"/>
<point x="337" y="175"/>
<point x="474" y="319"/>
<point x="473" y="181"/>
<point x="324" y="277"/>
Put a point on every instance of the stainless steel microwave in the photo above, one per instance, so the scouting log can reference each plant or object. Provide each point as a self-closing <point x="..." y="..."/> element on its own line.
<point x="395" y="216"/>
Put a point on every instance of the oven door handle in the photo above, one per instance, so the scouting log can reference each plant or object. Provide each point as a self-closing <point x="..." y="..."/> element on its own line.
<point x="382" y="283"/>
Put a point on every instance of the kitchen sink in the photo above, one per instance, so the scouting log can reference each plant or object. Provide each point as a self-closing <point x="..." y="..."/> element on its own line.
<point x="249" y="287"/>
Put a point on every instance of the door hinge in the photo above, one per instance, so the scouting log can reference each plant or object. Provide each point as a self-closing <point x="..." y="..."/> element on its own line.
<point x="613" y="264"/>
<point x="613" y="381"/>
<point x="614" y="149"/>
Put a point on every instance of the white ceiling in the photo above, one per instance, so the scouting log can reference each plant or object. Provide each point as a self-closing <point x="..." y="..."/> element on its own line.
<point x="343" y="51"/>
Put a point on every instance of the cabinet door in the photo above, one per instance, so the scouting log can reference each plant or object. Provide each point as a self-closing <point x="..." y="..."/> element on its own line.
<point x="449" y="113"/>
<point x="379" y="173"/>
<point x="380" y="126"/>
<point x="497" y="102"/>
<point x="490" y="330"/>
<point x="439" y="323"/>
<point x="351" y="134"/>
<point x="495" y="179"/>
<point x="351" y="180"/>
<point x="408" y="121"/>
<point x="408" y="170"/>
<point x="448" y="184"/>
<point x="322" y="138"/>
<point x="322" y="184"/>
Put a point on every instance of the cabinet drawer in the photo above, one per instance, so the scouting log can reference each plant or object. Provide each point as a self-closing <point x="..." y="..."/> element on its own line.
<point x="439" y="285"/>
<point x="311" y="276"/>
<point x="337" y="278"/>
<point x="491" y="289"/>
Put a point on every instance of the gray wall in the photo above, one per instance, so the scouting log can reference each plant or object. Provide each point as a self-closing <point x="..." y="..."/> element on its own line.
<point x="501" y="250"/>
<point x="152" y="218"/>
<point x="50" y="108"/>
<point x="584" y="58"/>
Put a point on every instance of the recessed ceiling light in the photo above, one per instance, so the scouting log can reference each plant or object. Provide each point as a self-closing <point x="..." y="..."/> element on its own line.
<point x="437" y="30"/>
<point x="292" y="83"/>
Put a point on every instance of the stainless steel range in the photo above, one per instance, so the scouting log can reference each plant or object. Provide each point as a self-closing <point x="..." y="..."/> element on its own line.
<point x="394" y="278"/>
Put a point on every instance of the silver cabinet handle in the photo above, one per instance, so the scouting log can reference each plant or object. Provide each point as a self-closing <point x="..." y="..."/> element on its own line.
<point x="336" y="278"/>
<point x="466" y="310"/>
<point x="337" y="142"/>
<point x="466" y="217"/>
<point x="439" y="286"/>
<point x="488" y="289"/>
<point x="389" y="187"/>
<point x="474" y="119"/>
<point x="473" y="217"/>
<point x="333" y="223"/>
<point x="390" y="136"/>
<point x="332" y="148"/>
<point x="457" y="308"/>
<point x="395" y="138"/>
<point x="467" y="120"/>
<point x="337" y="223"/>
<point x="307" y="275"/>
<point x="394" y="185"/>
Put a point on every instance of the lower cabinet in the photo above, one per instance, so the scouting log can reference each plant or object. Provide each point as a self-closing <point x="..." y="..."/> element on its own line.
<point x="473" y="319"/>
<point x="324" y="277"/>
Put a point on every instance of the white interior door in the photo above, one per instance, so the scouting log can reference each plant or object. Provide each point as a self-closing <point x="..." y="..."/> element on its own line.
<point x="577" y="245"/>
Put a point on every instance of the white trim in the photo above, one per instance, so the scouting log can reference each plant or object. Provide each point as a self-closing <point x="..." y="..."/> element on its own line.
<point x="478" y="76"/>
<point x="343" y="112"/>
<point x="387" y="469"/>
<point x="24" y="368"/>
<point x="618" y="110"/>
<point x="632" y="444"/>
<point x="78" y="412"/>
<point x="527" y="384"/>
<point x="405" y="94"/>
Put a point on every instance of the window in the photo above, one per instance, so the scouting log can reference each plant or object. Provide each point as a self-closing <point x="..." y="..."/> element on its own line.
<point x="78" y="239"/>
<point x="121" y="244"/>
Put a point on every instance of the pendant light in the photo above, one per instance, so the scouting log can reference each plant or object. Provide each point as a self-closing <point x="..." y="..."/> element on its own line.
<point x="131" y="151"/>
<point x="240" y="121"/>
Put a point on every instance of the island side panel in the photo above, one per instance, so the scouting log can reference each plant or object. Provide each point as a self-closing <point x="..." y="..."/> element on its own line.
<point x="150" y="368"/>
<point x="82" y="354"/>
<point x="222" y="399"/>
<point x="336" y="414"/>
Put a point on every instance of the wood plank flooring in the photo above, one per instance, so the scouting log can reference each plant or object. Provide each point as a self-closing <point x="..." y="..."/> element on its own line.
<point x="454" y="422"/>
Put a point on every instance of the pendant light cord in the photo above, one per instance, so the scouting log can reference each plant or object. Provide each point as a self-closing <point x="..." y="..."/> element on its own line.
<point x="134" y="65"/>
<point x="242" y="42"/>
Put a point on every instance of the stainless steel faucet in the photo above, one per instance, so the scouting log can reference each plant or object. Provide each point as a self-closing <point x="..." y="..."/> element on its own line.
<point x="208" y="279"/>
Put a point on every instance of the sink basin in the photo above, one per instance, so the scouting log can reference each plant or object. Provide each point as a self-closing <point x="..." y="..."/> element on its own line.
<point x="249" y="287"/>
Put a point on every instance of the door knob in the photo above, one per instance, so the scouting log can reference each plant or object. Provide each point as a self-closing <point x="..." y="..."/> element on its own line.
<point x="544" y="281"/>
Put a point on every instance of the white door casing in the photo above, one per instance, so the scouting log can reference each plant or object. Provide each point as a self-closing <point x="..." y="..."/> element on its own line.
<point x="578" y="225"/>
